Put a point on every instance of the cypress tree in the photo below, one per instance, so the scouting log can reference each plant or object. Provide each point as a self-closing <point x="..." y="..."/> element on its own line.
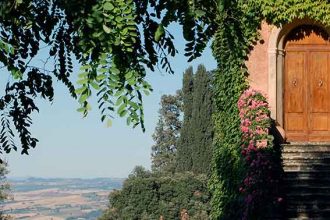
<point x="184" y="150"/>
<point x="201" y="123"/>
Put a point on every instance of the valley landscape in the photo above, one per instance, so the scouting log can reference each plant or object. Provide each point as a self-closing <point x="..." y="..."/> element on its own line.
<point x="59" y="199"/>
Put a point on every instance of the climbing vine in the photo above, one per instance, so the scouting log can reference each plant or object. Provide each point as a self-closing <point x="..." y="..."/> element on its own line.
<point x="238" y="25"/>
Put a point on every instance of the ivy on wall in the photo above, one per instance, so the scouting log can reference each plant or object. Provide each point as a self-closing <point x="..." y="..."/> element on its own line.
<point x="284" y="11"/>
<point x="238" y="25"/>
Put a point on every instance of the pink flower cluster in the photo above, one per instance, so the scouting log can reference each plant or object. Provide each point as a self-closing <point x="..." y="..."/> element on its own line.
<point x="257" y="150"/>
<point x="255" y="119"/>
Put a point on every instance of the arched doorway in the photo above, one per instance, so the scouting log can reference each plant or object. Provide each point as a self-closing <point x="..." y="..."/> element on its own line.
<point x="306" y="84"/>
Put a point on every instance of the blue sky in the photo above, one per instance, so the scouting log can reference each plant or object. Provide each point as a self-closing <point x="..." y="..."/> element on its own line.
<point x="72" y="146"/>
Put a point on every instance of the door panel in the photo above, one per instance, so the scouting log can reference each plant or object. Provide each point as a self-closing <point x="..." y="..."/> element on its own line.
<point x="318" y="91"/>
<point x="318" y="82"/>
<point x="295" y="92"/>
<point x="319" y="122"/>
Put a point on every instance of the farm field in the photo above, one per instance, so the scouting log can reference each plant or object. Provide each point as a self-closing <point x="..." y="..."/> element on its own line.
<point x="59" y="199"/>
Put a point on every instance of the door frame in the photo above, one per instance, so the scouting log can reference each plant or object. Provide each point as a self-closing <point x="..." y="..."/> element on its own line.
<point x="276" y="58"/>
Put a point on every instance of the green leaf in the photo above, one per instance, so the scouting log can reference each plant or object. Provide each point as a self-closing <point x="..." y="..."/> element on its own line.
<point x="102" y="70"/>
<point x="95" y="85"/>
<point x="83" y="98"/>
<point x="129" y="75"/>
<point x="119" y="19"/>
<point x="119" y="92"/>
<point x="134" y="105"/>
<point x="200" y="13"/>
<point x="109" y="123"/>
<point x="123" y="113"/>
<point x="146" y="92"/>
<point x="16" y="73"/>
<point x="88" y="107"/>
<point x="160" y="32"/>
<point x="85" y="67"/>
<point x="121" y="108"/>
<point x="108" y="6"/>
<point x="82" y="81"/>
<point x="114" y="70"/>
<point x="128" y="120"/>
<point x="83" y="74"/>
<point x="89" y="21"/>
<point x="119" y="100"/>
<point x="80" y="90"/>
<point x="82" y="109"/>
<point x="128" y="11"/>
<point x="124" y="31"/>
<point x="106" y="29"/>
<point x="131" y="82"/>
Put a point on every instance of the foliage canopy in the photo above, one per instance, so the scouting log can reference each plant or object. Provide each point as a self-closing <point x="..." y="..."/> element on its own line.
<point x="147" y="195"/>
<point x="114" y="41"/>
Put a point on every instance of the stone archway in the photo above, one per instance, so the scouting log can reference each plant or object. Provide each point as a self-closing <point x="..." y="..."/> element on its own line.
<point x="276" y="55"/>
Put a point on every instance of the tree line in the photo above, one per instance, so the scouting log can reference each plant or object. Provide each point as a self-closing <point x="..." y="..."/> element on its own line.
<point x="176" y="186"/>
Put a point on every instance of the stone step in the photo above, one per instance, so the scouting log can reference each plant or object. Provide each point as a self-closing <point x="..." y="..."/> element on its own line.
<point x="308" y="214"/>
<point x="307" y="160"/>
<point x="304" y="189"/>
<point x="307" y="197"/>
<point x="306" y="168"/>
<point x="305" y="148"/>
<point x="315" y="163"/>
<point x="315" y="166"/>
<point x="307" y="175"/>
<point x="306" y="183"/>
<point x="304" y="212"/>
<point x="302" y="218"/>
<point x="311" y="163"/>
<point x="307" y="180"/>
<point x="308" y="205"/>
<point x="306" y="155"/>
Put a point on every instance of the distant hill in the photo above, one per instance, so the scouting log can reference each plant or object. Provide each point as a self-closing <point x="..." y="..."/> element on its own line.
<point x="36" y="183"/>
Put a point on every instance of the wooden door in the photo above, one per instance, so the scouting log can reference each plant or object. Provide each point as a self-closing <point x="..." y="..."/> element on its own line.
<point x="307" y="85"/>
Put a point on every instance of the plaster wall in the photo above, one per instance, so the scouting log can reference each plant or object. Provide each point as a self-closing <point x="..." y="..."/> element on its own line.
<point x="257" y="63"/>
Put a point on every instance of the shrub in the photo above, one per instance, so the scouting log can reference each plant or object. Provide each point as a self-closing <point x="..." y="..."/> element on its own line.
<point x="147" y="195"/>
<point x="261" y="182"/>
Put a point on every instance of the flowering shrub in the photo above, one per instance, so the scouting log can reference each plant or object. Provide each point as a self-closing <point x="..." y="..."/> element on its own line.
<point x="259" y="188"/>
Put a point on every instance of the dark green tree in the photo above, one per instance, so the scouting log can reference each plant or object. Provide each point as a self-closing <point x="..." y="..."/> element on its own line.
<point x="146" y="196"/>
<point x="201" y="122"/>
<point x="184" y="157"/>
<point x="195" y="142"/>
<point x="167" y="131"/>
